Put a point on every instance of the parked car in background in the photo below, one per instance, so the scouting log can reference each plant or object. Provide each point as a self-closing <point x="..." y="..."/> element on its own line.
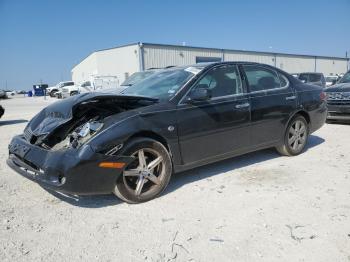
<point x="338" y="100"/>
<point x="2" y="111"/>
<point x="313" y="78"/>
<point x="174" y="120"/>
<point x="21" y="92"/>
<point x="331" y="80"/>
<point x="10" y="93"/>
<point x="51" y="91"/>
<point x="95" y="83"/>
<point x="3" y="94"/>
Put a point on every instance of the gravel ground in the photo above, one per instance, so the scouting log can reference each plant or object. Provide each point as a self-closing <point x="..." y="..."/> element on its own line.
<point x="256" y="207"/>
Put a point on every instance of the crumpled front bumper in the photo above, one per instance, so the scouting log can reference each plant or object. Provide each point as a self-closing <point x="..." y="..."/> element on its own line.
<point x="71" y="171"/>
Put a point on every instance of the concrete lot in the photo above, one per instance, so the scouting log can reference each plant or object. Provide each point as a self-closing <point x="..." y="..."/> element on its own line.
<point x="257" y="207"/>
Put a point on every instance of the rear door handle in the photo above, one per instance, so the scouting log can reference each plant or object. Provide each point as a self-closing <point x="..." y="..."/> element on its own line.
<point x="242" y="105"/>
<point x="290" y="97"/>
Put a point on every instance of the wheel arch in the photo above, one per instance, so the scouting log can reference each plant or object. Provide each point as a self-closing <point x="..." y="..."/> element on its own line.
<point x="152" y="135"/>
<point x="302" y="113"/>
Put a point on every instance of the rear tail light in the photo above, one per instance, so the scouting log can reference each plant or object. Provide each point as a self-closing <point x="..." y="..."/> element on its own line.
<point x="323" y="96"/>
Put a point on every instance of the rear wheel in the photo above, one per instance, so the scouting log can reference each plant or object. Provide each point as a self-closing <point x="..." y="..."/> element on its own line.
<point x="73" y="93"/>
<point x="148" y="175"/>
<point x="295" y="138"/>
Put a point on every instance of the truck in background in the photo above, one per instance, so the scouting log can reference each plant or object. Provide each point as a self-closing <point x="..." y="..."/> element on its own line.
<point x="96" y="83"/>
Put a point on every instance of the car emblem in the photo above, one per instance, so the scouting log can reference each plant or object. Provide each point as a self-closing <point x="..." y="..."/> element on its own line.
<point x="171" y="128"/>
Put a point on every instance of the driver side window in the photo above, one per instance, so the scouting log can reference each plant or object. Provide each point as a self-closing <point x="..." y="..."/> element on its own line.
<point x="221" y="81"/>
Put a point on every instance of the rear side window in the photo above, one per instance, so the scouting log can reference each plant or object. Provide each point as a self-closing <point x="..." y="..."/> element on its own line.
<point x="222" y="81"/>
<point x="261" y="78"/>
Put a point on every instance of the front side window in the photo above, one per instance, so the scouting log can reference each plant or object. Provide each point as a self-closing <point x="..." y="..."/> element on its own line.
<point x="261" y="78"/>
<point x="222" y="81"/>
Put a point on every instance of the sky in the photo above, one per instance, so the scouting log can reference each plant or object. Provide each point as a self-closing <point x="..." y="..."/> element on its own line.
<point x="41" y="40"/>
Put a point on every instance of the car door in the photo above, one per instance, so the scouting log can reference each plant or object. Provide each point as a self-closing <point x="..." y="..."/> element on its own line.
<point x="217" y="126"/>
<point x="272" y="101"/>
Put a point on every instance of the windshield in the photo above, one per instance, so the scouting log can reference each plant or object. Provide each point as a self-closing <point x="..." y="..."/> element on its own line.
<point x="345" y="78"/>
<point x="66" y="84"/>
<point x="161" y="85"/>
<point x="137" y="77"/>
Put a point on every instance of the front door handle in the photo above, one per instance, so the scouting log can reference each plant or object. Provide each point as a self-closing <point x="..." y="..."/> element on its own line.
<point x="242" y="105"/>
<point x="290" y="97"/>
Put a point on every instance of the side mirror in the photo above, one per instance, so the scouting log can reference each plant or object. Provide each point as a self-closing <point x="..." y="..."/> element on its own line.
<point x="199" y="94"/>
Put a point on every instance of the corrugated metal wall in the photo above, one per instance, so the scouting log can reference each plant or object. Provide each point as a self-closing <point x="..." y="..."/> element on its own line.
<point x="162" y="56"/>
<point x="122" y="61"/>
<point x="330" y="66"/>
<point x="295" y="64"/>
<point x="252" y="57"/>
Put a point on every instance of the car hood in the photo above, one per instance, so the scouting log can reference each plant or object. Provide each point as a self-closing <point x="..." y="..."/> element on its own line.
<point x="342" y="87"/>
<point x="63" y="111"/>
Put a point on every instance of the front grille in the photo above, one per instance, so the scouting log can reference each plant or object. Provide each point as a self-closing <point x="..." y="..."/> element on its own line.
<point x="338" y="98"/>
<point x="338" y="102"/>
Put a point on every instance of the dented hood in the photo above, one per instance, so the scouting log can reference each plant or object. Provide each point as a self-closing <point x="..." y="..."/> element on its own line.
<point x="61" y="112"/>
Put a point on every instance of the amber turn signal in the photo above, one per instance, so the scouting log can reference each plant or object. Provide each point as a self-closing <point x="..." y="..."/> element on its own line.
<point x="111" y="165"/>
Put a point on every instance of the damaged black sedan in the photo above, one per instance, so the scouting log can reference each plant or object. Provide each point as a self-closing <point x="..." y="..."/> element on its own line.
<point x="179" y="118"/>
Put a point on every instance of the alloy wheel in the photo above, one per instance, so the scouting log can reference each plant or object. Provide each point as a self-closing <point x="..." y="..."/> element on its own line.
<point x="144" y="174"/>
<point x="297" y="135"/>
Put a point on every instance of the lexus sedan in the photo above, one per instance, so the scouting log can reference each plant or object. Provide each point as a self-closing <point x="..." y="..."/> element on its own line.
<point x="338" y="100"/>
<point x="177" y="119"/>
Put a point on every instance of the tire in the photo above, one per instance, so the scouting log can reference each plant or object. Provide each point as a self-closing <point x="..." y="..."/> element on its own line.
<point x="295" y="138"/>
<point x="146" y="177"/>
<point x="73" y="93"/>
<point x="52" y="93"/>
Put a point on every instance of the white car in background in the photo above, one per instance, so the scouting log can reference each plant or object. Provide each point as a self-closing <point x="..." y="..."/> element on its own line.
<point x="54" y="90"/>
<point x="331" y="80"/>
<point x="10" y="93"/>
<point x="96" y="83"/>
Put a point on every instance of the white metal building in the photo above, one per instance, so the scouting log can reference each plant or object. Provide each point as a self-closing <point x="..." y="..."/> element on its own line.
<point x="124" y="60"/>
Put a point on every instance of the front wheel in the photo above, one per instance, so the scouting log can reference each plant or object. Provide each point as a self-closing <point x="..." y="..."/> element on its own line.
<point x="295" y="138"/>
<point x="148" y="175"/>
